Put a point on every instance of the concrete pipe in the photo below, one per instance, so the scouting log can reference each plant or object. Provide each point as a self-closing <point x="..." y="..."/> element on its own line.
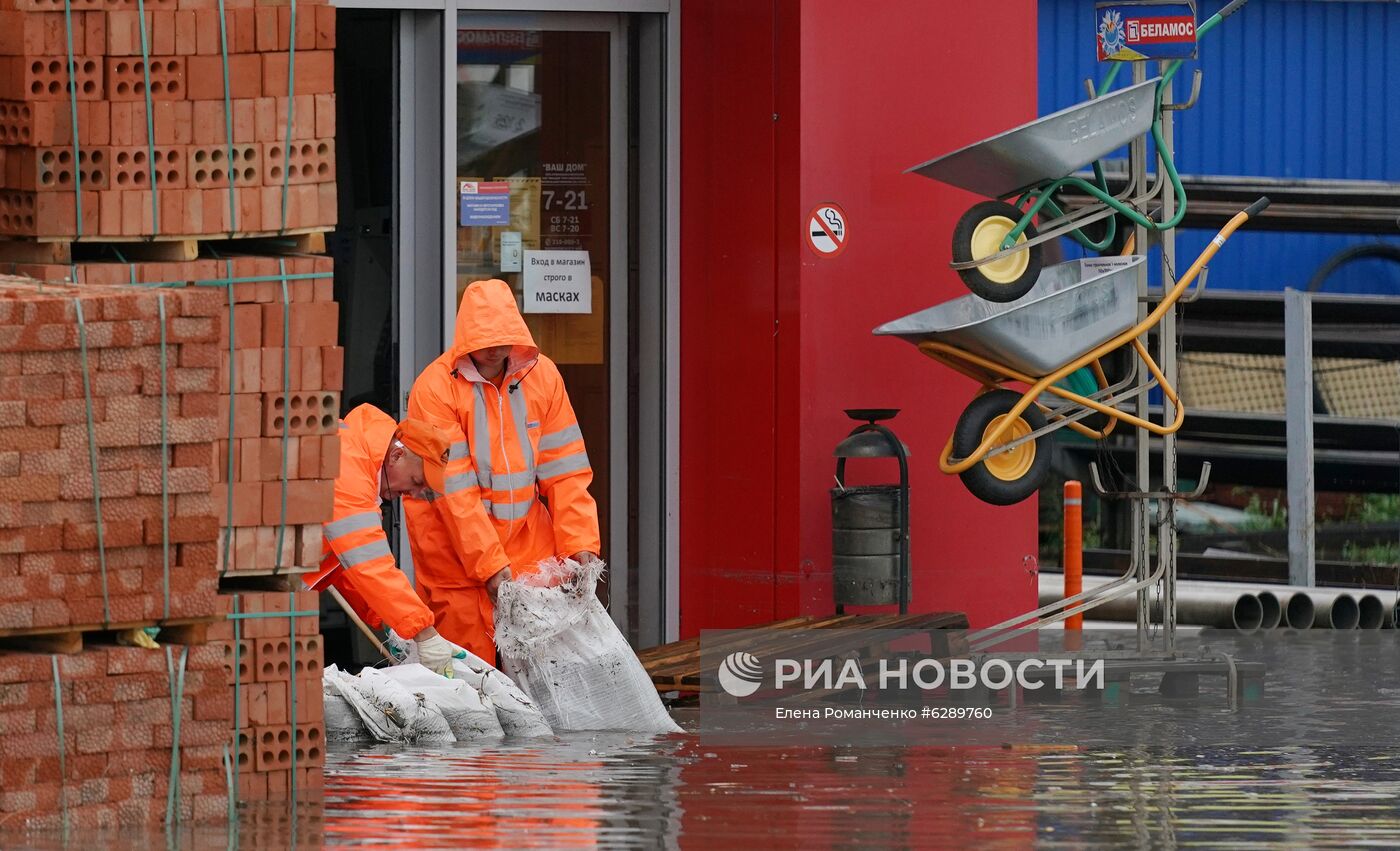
<point x="1273" y="610"/>
<point x="1298" y="609"/>
<point x="1370" y="612"/>
<point x="1303" y="607"/>
<point x="1226" y="608"/>
<point x="1337" y="611"/>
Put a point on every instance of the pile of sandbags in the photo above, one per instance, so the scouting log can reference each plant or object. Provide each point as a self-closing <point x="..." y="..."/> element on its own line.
<point x="409" y="703"/>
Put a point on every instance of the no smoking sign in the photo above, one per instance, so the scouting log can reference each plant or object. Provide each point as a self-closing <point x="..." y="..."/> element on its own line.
<point x="826" y="230"/>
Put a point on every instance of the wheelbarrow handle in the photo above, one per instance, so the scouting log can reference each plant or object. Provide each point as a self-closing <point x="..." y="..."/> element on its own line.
<point x="1262" y="204"/>
<point x="1231" y="8"/>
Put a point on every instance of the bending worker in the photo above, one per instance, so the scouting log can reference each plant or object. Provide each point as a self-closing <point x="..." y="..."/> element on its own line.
<point x="516" y="490"/>
<point x="382" y="460"/>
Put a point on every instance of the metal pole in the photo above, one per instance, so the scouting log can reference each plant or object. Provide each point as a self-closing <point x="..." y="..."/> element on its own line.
<point x="1298" y="376"/>
<point x="1142" y="555"/>
<point x="1074" y="560"/>
<point x="1167" y="356"/>
<point x="1074" y="547"/>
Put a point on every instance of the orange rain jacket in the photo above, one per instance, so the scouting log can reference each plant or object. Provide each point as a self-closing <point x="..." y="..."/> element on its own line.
<point x="356" y="557"/>
<point x="517" y="488"/>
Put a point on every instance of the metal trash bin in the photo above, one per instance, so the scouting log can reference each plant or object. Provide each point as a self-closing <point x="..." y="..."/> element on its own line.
<point x="870" y="523"/>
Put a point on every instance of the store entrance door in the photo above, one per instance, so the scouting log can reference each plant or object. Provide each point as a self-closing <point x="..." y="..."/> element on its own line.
<point x="540" y="192"/>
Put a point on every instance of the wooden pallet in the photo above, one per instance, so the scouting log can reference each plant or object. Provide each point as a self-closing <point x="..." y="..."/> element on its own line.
<point x="72" y="639"/>
<point x="676" y="666"/>
<point x="159" y="249"/>
<point x="266" y="579"/>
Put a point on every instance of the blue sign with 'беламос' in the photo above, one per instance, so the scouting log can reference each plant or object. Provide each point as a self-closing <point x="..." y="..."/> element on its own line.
<point x="1147" y="30"/>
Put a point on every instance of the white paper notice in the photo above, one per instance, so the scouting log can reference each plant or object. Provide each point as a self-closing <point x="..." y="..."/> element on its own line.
<point x="510" y="251"/>
<point x="558" y="282"/>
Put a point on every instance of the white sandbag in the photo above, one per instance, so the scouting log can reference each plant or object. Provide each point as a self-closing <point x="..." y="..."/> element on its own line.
<point x="391" y="713"/>
<point x="461" y="706"/>
<point x="559" y="644"/>
<point x="517" y="714"/>
<point x="343" y="723"/>
<point x="377" y="717"/>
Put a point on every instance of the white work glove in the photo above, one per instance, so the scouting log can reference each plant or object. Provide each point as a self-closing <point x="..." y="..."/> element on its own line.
<point x="435" y="653"/>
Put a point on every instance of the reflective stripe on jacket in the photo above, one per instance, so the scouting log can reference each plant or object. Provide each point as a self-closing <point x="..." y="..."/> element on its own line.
<point x="356" y="551"/>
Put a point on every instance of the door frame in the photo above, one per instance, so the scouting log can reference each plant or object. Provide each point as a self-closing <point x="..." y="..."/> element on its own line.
<point x="422" y="269"/>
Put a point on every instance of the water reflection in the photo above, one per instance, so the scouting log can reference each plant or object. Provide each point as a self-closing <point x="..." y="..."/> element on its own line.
<point x="669" y="792"/>
<point x="675" y="792"/>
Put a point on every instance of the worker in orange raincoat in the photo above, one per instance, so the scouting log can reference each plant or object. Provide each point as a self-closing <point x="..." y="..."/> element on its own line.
<point x="379" y="460"/>
<point x="516" y="489"/>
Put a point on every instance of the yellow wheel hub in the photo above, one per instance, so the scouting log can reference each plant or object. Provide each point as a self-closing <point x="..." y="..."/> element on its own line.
<point x="1012" y="464"/>
<point x="986" y="241"/>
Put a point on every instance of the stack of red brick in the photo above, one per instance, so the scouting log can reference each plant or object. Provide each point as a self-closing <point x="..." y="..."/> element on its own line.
<point x="49" y="555"/>
<point x="198" y="158"/>
<point x="278" y="691"/>
<point x="307" y="405"/>
<point x="113" y="769"/>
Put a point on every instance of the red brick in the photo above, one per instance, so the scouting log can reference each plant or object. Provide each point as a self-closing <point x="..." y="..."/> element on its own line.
<point x="36" y="78"/>
<point x="186" y="32"/>
<point x="174" y="125"/>
<point x="315" y="73"/>
<point x="272" y="662"/>
<point x="242" y="30"/>
<point x="247" y="410"/>
<point x="325" y="27"/>
<point x="315" y="324"/>
<point x="205" y="76"/>
<point x="308" y="451"/>
<point x="207" y="29"/>
<point x="247" y="505"/>
<point x="274" y="747"/>
<point x="162" y="33"/>
<point x="309" y="658"/>
<point x="266" y="120"/>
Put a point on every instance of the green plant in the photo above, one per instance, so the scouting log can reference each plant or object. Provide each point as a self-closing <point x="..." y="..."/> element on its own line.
<point x="1388" y="553"/>
<point x="1372" y="508"/>
<point x="1274" y="515"/>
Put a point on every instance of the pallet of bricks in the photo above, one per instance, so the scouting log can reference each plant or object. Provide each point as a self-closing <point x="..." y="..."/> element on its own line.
<point x="194" y="119"/>
<point x="159" y="132"/>
<point x="270" y="482"/>
<point x="107" y="527"/>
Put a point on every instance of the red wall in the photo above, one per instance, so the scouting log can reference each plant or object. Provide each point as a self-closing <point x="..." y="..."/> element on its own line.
<point x="776" y="341"/>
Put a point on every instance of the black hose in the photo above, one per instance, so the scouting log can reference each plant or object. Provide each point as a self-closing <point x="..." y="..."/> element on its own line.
<point x="1382" y="250"/>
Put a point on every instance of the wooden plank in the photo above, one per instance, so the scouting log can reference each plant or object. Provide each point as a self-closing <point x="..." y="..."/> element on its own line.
<point x="163" y="251"/>
<point x="160" y="248"/>
<point x="58" y="642"/>
<point x="70" y="639"/>
<point x="25" y="251"/>
<point x="252" y="581"/>
<point x="193" y="633"/>
<point x="676" y="667"/>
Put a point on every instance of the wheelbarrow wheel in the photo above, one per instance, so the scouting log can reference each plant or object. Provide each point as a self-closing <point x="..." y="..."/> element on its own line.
<point x="979" y="234"/>
<point x="1008" y="477"/>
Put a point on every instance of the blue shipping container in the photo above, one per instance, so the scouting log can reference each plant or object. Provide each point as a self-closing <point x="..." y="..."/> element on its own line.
<point x="1291" y="89"/>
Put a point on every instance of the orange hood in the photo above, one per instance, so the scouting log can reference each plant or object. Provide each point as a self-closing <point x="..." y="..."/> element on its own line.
<point x="489" y="317"/>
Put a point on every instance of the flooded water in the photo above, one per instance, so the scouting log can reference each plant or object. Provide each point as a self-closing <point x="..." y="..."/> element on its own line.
<point x="638" y="791"/>
<point x="621" y="791"/>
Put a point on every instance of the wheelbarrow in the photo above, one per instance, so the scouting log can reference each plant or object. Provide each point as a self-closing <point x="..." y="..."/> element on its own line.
<point x="996" y="244"/>
<point x="1078" y="313"/>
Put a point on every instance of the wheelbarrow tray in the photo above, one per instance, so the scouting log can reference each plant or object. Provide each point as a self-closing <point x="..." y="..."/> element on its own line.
<point x="1048" y="148"/>
<point x="1073" y="308"/>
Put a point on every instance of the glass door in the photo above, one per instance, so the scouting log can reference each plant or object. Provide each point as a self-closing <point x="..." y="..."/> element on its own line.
<point x="539" y="204"/>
